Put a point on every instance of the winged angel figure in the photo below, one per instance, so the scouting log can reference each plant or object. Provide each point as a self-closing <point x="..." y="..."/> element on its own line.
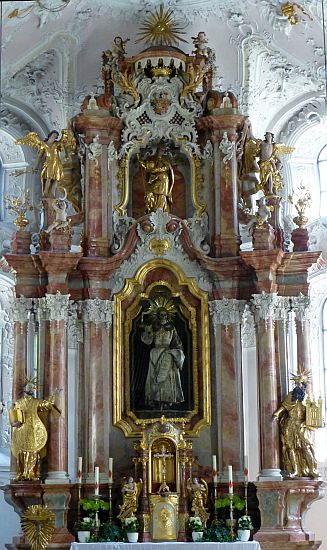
<point x="49" y="151"/>
<point x="198" y="491"/>
<point x="131" y="492"/>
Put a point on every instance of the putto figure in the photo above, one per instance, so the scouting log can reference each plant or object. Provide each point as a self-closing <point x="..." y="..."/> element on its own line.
<point x="298" y="457"/>
<point x="29" y="434"/>
<point x="52" y="172"/>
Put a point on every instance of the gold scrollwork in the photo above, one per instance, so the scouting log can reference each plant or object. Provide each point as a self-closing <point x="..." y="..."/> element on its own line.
<point x="159" y="246"/>
<point x="122" y="176"/>
<point x="196" y="178"/>
<point x="125" y="418"/>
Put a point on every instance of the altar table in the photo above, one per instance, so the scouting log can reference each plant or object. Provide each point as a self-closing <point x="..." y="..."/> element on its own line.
<point x="253" y="545"/>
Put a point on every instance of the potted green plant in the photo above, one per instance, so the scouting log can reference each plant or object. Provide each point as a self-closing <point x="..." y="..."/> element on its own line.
<point x="131" y="527"/>
<point x="222" y="505"/>
<point x="109" y="533"/>
<point x="84" y="528"/>
<point x="195" y="525"/>
<point x="244" y="526"/>
<point x="217" y="532"/>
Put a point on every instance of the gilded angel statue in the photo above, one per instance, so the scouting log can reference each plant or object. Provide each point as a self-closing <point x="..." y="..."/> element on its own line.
<point x="131" y="492"/>
<point x="198" y="491"/>
<point x="52" y="172"/>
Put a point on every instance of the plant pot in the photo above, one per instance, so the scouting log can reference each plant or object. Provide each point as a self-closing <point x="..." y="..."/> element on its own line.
<point x="243" y="534"/>
<point x="83" y="536"/>
<point x="197" y="536"/>
<point x="132" y="537"/>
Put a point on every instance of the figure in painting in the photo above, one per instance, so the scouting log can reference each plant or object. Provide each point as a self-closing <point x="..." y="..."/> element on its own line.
<point x="199" y="495"/>
<point x="29" y="435"/>
<point x="158" y="181"/>
<point x="52" y="172"/>
<point x="298" y="455"/>
<point x="130" y="491"/>
<point x="163" y="386"/>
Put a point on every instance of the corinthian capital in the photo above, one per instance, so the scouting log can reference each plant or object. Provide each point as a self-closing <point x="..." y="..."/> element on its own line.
<point x="266" y="305"/>
<point x="19" y="309"/>
<point x="226" y="311"/>
<point x="301" y="307"/>
<point x="54" y="307"/>
<point x="97" y="311"/>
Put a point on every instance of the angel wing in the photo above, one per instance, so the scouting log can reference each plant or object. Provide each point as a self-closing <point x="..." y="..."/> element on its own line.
<point x="281" y="150"/>
<point x="251" y="151"/>
<point x="33" y="140"/>
<point x="139" y="486"/>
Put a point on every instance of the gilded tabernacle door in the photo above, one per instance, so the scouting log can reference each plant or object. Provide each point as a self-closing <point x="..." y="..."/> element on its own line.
<point x="161" y="350"/>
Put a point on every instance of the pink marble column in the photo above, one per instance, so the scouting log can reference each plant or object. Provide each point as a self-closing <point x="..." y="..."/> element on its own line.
<point x="56" y="383"/>
<point x="267" y="378"/>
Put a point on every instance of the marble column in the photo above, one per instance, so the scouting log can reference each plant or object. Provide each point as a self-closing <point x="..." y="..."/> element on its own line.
<point x="301" y="307"/>
<point x="226" y="316"/>
<point x="20" y="308"/>
<point x="56" y="308"/>
<point x="97" y="318"/>
<point x="266" y="305"/>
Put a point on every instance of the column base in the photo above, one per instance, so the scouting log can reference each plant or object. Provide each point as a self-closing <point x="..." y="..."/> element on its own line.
<point x="54" y="478"/>
<point x="270" y="474"/>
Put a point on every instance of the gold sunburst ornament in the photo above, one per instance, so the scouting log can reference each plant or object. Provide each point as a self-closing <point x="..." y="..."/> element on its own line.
<point x="161" y="29"/>
<point x="38" y="525"/>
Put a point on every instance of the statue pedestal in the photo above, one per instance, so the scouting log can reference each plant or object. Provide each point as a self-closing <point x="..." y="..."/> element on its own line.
<point x="283" y="506"/>
<point x="20" y="242"/>
<point x="300" y="238"/>
<point x="264" y="237"/>
<point x="60" y="240"/>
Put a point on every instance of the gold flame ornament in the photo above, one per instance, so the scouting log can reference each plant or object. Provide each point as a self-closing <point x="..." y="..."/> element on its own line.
<point x="161" y="29"/>
<point x="38" y="524"/>
<point x="290" y="10"/>
<point x="20" y="206"/>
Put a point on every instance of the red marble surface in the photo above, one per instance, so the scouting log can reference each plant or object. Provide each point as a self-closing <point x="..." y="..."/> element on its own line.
<point x="95" y="404"/>
<point x="20" y="242"/>
<point x="56" y="378"/>
<point x="57" y="266"/>
<point x="267" y="395"/>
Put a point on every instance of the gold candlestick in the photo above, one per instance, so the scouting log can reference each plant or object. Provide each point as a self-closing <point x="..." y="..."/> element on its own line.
<point x="110" y="520"/>
<point x="231" y="516"/>
<point x="215" y="498"/>
<point x="246" y="483"/>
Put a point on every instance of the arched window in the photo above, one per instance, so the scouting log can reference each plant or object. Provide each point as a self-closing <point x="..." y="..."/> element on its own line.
<point x="322" y="170"/>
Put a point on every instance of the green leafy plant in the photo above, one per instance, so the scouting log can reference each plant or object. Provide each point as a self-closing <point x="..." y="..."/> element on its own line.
<point x="93" y="505"/>
<point x="224" y="503"/>
<point x="85" y="524"/>
<point x="195" y="523"/>
<point x="109" y="533"/>
<point x="217" y="533"/>
<point x="244" y="522"/>
<point x="131" y="525"/>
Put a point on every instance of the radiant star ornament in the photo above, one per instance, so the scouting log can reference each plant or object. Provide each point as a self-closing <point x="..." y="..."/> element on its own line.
<point x="161" y="29"/>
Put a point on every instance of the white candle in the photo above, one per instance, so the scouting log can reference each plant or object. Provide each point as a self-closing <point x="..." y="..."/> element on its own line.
<point x="246" y="468"/>
<point x="79" y="469"/>
<point x="110" y="471"/>
<point x="214" y="469"/>
<point x="96" y="479"/>
<point x="230" y="479"/>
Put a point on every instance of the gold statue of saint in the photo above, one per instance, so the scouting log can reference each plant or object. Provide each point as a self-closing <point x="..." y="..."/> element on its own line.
<point x="49" y="150"/>
<point x="158" y="182"/>
<point x="29" y="434"/>
<point x="199" y="495"/>
<point x="298" y="457"/>
<point x="131" y="492"/>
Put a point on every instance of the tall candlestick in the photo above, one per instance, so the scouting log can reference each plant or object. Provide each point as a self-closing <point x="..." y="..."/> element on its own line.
<point x="246" y="468"/>
<point x="230" y="479"/>
<point x="79" y="469"/>
<point x="110" y="471"/>
<point x="214" y="469"/>
<point x="96" y="479"/>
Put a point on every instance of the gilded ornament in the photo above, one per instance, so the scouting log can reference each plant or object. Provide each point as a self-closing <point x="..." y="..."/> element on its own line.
<point x="20" y="206"/>
<point x="161" y="29"/>
<point x="29" y="434"/>
<point x="194" y="77"/>
<point x="303" y="202"/>
<point x="158" y="181"/>
<point x="52" y="172"/>
<point x="38" y="523"/>
<point x="131" y="492"/>
<point x="124" y="81"/>
<point x="198" y="491"/>
<point x="289" y="10"/>
<point x="159" y="246"/>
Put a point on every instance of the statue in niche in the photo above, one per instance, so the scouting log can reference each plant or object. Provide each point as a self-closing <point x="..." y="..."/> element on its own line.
<point x="52" y="172"/>
<point x="158" y="181"/>
<point x="298" y="457"/>
<point x="29" y="435"/>
<point x="163" y="387"/>
<point x="199" y="495"/>
<point x="131" y="492"/>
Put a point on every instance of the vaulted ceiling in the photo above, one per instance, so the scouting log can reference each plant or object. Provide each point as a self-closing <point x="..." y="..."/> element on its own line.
<point x="52" y="60"/>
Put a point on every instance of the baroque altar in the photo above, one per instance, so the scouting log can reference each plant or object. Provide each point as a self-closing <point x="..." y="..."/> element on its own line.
<point x="138" y="325"/>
